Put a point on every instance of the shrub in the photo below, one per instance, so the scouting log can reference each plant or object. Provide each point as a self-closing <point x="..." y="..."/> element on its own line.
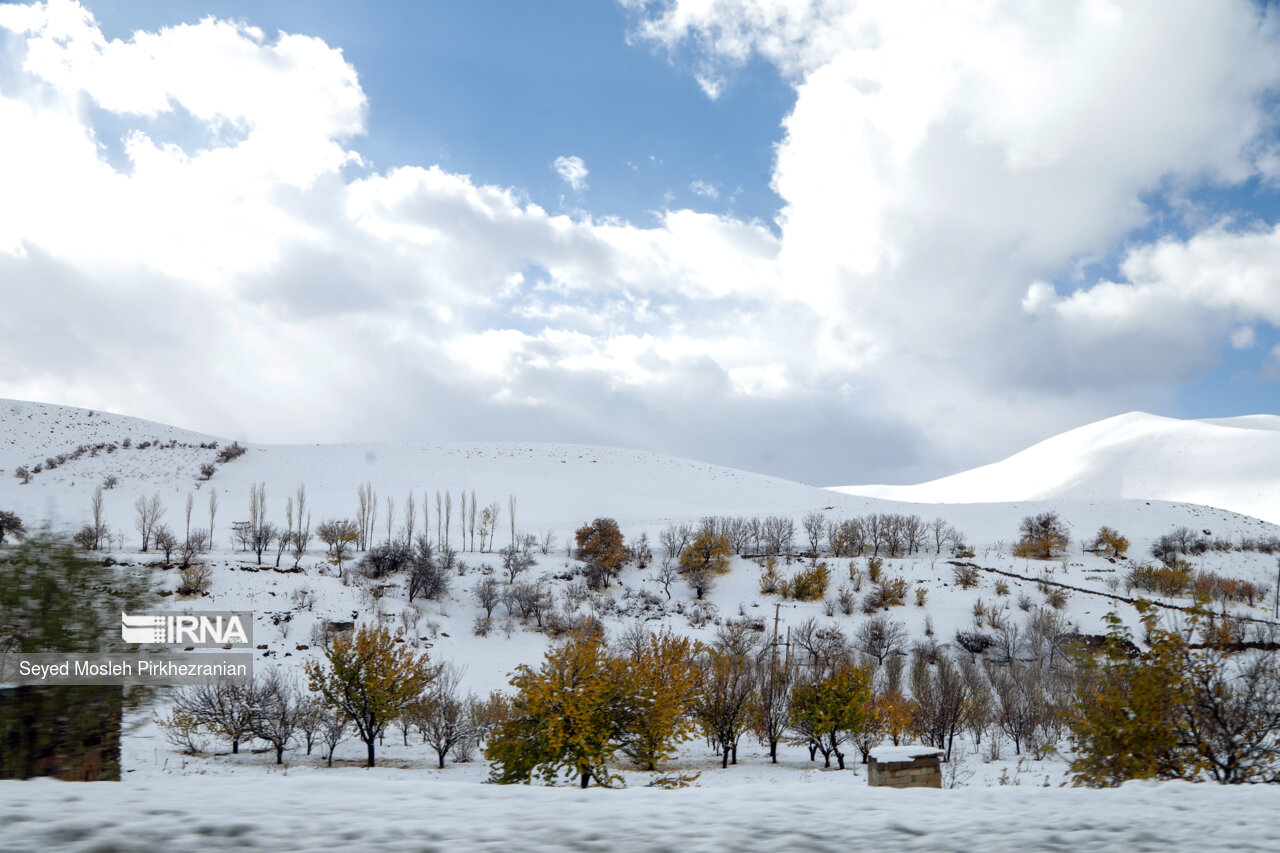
<point x="808" y="584"/>
<point x="232" y="451"/>
<point x="875" y="565"/>
<point x="770" y="580"/>
<point x="1056" y="597"/>
<point x="1002" y="587"/>
<point x="385" y="559"/>
<point x="974" y="642"/>
<point x="966" y="576"/>
<point x="195" y="580"/>
<point x="922" y="594"/>
<point x="1171" y="580"/>
<point x="889" y="592"/>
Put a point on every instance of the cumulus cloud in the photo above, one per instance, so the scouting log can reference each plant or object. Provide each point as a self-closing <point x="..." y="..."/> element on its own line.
<point x="935" y="162"/>
<point x="938" y="159"/>
<point x="573" y="171"/>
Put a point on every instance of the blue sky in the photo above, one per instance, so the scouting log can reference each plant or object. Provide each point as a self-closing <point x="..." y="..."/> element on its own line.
<point x="498" y="90"/>
<point x="834" y="242"/>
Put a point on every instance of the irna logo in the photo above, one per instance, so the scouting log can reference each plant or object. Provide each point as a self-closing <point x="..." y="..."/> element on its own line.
<point x="211" y="628"/>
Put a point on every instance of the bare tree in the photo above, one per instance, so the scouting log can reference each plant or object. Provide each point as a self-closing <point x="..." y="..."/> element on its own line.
<point x="391" y="516"/>
<point x="285" y="537"/>
<point x="448" y="517"/>
<point x="941" y="695"/>
<point x="301" y="502"/>
<point x="364" y="497"/>
<point x="310" y="720"/>
<point x="442" y="716"/>
<point x="277" y="712"/>
<point x="301" y="539"/>
<point x="772" y="710"/>
<point x="668" y="573"/>
<point x="221" y="706"/>
<point x="439" y="519"/>
<point x="262" y="537"/>
<point x="878" y="637"/>
<point x="548" y="541"/>
<point x="815" y="524"/>
<point x="409" y="513"/>
<point x="511" y="511"/>
<point x="674" y="538"/>
<point x="191" y="501"/>
<point x="213" y="512"/>
<point x="149" y="513"/>
<point x="165" y="541"/>
<point x="462" y="517"/>
<point x="488" y="594"/>
<point x="100" y="531"/>
<point x="471" y="520"/>
<point x="334" y="728"/>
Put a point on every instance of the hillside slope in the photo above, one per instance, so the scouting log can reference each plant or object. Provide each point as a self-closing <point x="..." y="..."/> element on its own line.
<point x="1232" y="463"/>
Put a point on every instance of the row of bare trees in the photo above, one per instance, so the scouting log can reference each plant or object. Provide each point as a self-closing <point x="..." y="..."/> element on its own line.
<point x="877" y="534"/>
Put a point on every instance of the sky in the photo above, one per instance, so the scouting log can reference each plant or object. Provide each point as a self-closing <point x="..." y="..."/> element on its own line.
<point x="837" y="243"/>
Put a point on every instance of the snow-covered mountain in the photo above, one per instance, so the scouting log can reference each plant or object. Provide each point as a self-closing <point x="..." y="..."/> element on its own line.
<point x="1232" y="463"/>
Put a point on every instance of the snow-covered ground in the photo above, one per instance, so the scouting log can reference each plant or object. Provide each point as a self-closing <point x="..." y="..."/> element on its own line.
<point x="377" y="811"/>
<point x="235" y="801"/>
<point x="1231" y="463"/>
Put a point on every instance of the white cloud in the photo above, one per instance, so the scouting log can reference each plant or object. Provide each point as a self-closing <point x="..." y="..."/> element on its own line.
<point x="1243" y="337"/>
<point x="704" y="189"/>
<point x="573" y="171"/>
<point x="937" y="160"/>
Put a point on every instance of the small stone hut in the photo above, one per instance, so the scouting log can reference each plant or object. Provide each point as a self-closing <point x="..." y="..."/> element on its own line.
<point x="905" y="767"/>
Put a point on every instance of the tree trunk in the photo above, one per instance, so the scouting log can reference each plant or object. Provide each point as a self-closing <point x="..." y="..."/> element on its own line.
<point x="724" y="760"/>
<point x="773" y="750"/>
<point x="586" y="779"/>
<point x="440" y="755"/>
<point x="280" y="753"/>
<point x="369" y="743"/>
<point x="734" y="760"/>
<point x="235" y="746"/>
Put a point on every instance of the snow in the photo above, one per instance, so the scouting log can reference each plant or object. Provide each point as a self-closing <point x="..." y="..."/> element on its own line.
<point x="381" y="811"/>
<point x="227" y="802"/>
<point x="902" y="753"/>
<point x="1232" y="463"/>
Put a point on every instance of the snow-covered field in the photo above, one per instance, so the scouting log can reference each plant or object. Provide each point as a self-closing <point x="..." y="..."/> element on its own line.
<point x="399" y="811"/>
<point x="224" y="802"/>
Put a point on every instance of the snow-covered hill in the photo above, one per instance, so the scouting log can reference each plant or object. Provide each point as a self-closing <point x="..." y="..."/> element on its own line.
<point x="559" y="487"/>
<point x="1232" y="463"/>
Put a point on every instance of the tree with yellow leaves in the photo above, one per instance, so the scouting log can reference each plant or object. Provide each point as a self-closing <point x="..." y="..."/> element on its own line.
<point x="370" y="679"/>
<point x="663" y="681"/>
<point x="567" y="718"/>
<point x="832" y="710"/>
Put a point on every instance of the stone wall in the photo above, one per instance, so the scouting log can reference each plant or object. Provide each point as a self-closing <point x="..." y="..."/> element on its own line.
<point x="923" y="771"/>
